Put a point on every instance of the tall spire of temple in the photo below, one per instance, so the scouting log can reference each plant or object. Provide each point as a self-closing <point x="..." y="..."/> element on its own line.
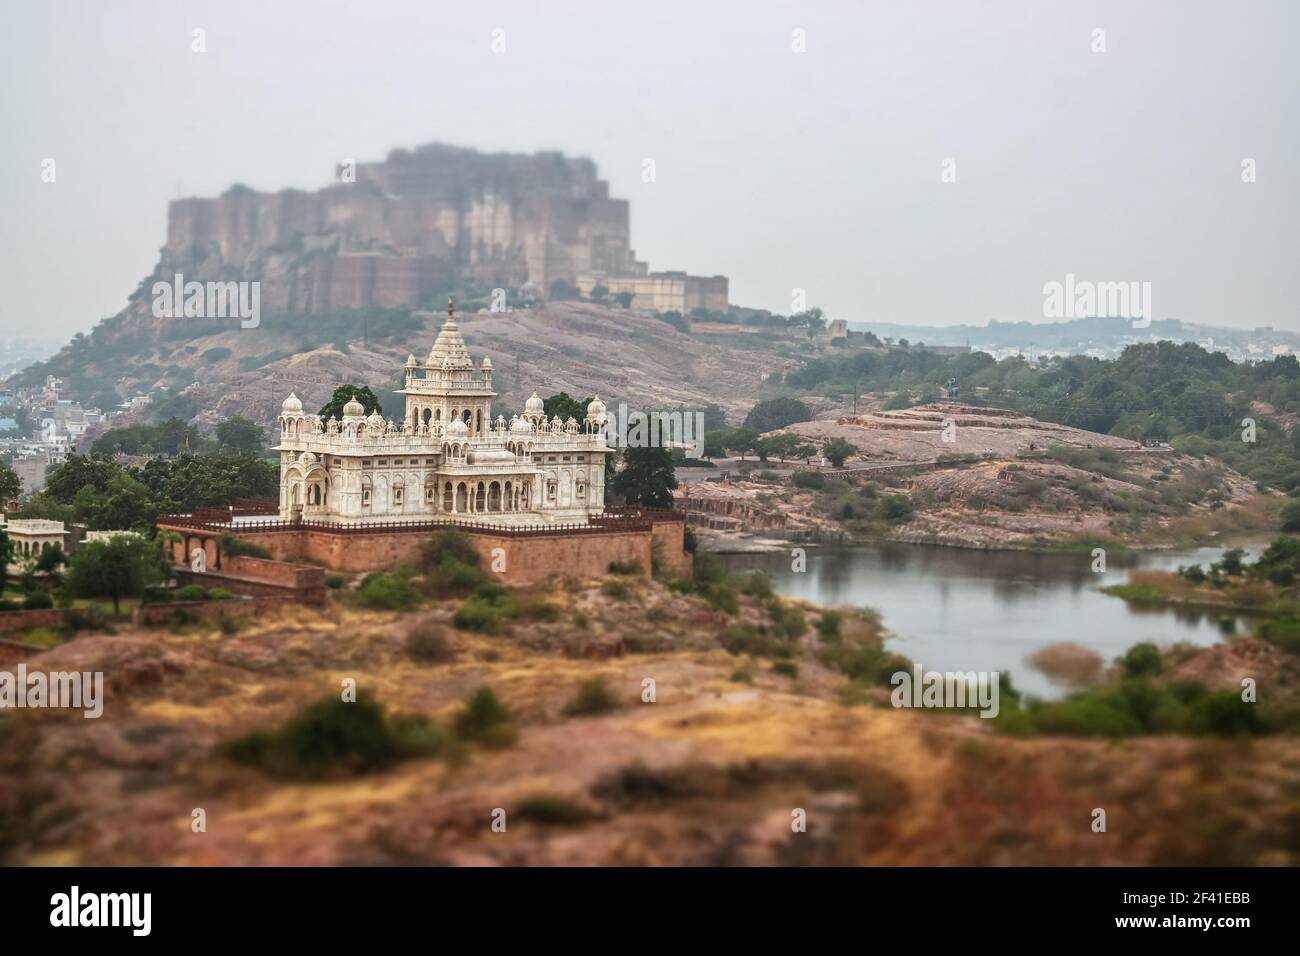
<point x="449" y="346"/>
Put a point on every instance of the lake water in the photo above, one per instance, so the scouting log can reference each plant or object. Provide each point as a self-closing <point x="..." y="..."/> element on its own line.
<point x="962" y="610"/>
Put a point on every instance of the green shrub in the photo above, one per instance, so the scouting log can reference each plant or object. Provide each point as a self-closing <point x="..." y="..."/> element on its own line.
<point x="484" y="719"/>
<point x="1282" y="631"/>
<point x="427" y="643"/>
<point x="812" y="480"/>
<point x="388" y="591"/>
<point x="625" y="567"/>
<point x="742" y="675"/>
<point x="486" y="608"/>
<point x="334" y="581"/>
<point x="534" y="607"/>
<point x="786" y="618"/>
<point x="896" y="509"/>
<point x="708" y="569"/>
<point x="191" y="592"/>
<point x="1141" y="660"/>
<point x="720" y="596"/>
<point x="785" y="668"/>
<point x="617" y="590"/>
<point x="37" y="601"/>
<point x="451" y="565"/>
<point x="756" y="584"/>
<point x="828" y="625"/>
<point x="593" y="697"/>
<point x="218" y="594"/>
<point x="1225" y="714"/>
<point x="747" y="639"/>
<point x="156" y="595"/>
<point x="551" y="810"/>
<point x="333" y="737"/>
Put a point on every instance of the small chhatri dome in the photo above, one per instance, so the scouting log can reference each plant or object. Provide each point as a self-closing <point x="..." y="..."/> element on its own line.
<point x="457" y="427"/>
<point x="410" y="361"/>
<point x="376" y="420"/>
<point x="292" y="404"/>
<point x="534" y="405"/>
<point x="354" y="409"/>
<point x="596" y="409"/>
<point x="520" y="426"/>
<point x="486" y="364"/>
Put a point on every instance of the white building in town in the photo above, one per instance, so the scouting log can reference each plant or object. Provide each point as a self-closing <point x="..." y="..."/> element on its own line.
<point x="30" y="537"/>
<point x="447" y="458"/>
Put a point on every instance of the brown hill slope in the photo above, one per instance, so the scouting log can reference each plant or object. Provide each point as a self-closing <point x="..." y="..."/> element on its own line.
<point x="582" y="348"/>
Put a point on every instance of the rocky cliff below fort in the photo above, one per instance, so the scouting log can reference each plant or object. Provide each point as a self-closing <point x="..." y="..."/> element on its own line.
<point x="392" y="234"/>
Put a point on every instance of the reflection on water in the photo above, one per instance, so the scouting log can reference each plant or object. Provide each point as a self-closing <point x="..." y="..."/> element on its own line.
<point x="953" y="609"/>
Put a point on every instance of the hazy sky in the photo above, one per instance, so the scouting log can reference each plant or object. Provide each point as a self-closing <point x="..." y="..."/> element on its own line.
<point x="818" y="170"/>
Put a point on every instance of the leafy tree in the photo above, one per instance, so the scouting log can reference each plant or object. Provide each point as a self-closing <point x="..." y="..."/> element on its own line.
<point x="715" y="443"/>
<point x="565" y="406"/>
<point x="173" y="405"/>
<point x="126" y="506"/>
<point x="1141" y="660"/>
<point x="1291" y="515"/>
<point x="838" y="451"/>
<point x="777" y="413"/>
<point x="783" y="445"/>
<point x="600" y="293"/>
<point x="237" y="435"/>
<point x="676" y="320"/>
<point x="77" y="472"/>
<point x="624" y="299"/>
<point x="563" y="289"/>
<point x="11" y="485"/>
<point x="122" y="566"/>
<point x="1232" y="563"/>
<point x="344" y="394"/>
<point x="741" y="441"/>
<point x="50" y="559"/>
<point x="6" y="555"/>
<point x="647" y="478"/>
<point x="1280" y="562"/>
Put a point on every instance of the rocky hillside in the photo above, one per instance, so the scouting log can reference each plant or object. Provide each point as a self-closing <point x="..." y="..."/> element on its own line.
<point x="578" y="347"/>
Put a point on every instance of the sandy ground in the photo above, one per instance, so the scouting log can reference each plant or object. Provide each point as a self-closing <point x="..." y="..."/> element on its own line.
<point x="711" y="772"/>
